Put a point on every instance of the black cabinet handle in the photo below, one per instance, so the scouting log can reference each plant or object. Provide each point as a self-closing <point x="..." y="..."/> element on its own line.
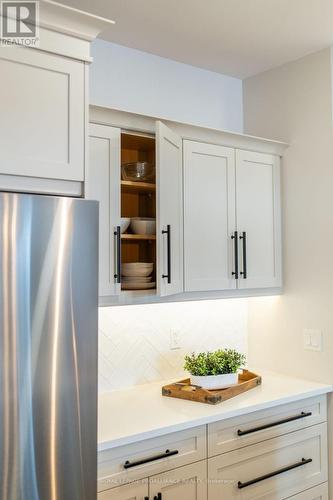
<point x="168" y="453"/>
<point x="275" y="473"/>
<point x="235" y="238"/>
<point x="117" y="275"/>
<point x="146" y="498"/>
<point x="244" y="272"/>
<point x="158" y="496"/>
<point x="273" y="424"/>
<point x="168" y="233"/>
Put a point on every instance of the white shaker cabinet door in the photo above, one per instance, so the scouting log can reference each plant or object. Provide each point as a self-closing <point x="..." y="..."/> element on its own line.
<point x="169" y="211"/>
<point x="185" y="483"/>
<point x="258" y="219"/>
<point x="209" y="216"/>
<point x="42" y="126"/>
<point x="133" y="491"/>
<point x="317" y="493"/>
<point x="103" y="184"/>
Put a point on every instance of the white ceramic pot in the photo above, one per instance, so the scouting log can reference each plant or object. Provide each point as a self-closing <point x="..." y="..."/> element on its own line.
<point x="211" y="382"/>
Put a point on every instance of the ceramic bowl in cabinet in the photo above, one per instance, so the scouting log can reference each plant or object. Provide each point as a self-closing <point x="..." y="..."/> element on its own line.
<point x="124" y="224"/>
<point x="143" y="225"/>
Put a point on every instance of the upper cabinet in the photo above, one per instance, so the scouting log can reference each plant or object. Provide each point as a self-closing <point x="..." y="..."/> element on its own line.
<point x="103" y="184"/>
<point x="258" y="215"/>
<point x="44" y="104"/>
<point x="213" y="209"/>
<point x="209" y="216"/>
<point x="170" y="210"/>
<point x="232" y="222"/>
<point x="43" y="109"/>
<point x="156" y="239"/>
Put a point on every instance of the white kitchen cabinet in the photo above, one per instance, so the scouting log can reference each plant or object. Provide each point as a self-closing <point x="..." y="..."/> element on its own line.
<point x="317" y="493"/>
<point x="284" y="455"/>
<point x="239" y="432"/>
<point x="160" y="198"/>
<point x="134" y="491"/>
<point x="232" y="220"/>
<point x="153" y="456"/>
<point x="216" y="204"/>
<point x="272" y="470"/>
<point x="185" y="483"/>
<point x="42" y="126"/>
<point x="103" y="184"/>
<point x="209" y="216"/>
<point x="258" y="219"/>
<point x="169" y="173"/>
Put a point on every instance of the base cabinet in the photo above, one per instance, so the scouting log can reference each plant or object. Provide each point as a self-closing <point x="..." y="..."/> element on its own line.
<point x="186" y="483"/>
<point x="272" y="470"/>
<point x="286" y="460"/>
<point x="318" y="493"/>
<point x="133" y="491"/>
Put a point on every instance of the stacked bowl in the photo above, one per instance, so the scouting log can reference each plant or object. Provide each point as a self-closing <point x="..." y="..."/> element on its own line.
<point x="137" y="276"/>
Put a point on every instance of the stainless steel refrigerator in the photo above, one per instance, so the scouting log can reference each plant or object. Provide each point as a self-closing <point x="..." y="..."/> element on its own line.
<point x="48" y="347"/>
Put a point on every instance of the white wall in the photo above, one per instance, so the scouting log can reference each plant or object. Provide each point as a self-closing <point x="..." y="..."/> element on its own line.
<point x="134" y="341"/>
<point x="293" y="103"/>
<point x="144" y="83"/>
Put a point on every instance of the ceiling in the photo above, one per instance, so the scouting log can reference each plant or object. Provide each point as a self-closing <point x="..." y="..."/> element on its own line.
<point x="235" y="37"/>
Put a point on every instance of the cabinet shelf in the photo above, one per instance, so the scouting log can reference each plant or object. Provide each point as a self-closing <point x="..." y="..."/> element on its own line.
<point x="137" y="187"/>
<point x="136" y="237"/>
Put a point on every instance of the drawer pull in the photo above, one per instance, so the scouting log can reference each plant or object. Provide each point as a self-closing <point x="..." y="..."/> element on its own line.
<point x="304" y="461"/>
<point x="158" y="496"/>
<point x="273" y="424"/>
<point x="168" y="453"/>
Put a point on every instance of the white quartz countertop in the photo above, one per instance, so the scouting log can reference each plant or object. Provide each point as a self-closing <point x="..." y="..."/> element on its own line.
<point x="132" y="415"/>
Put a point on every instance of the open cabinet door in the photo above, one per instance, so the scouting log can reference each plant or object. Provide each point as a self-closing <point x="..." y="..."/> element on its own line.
<point x="169" y="181"/>
<point x="103" y="184"/>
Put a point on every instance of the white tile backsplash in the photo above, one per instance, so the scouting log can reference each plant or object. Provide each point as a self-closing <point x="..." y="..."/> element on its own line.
<point x="134" y="341"/>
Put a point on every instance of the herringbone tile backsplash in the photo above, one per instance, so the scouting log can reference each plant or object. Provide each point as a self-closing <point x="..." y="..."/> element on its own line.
<point x="134" y="341"/>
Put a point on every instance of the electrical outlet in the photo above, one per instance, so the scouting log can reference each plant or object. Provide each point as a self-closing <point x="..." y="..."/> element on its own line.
<point x="313" y="340"/>
<point x="175" y="339"/>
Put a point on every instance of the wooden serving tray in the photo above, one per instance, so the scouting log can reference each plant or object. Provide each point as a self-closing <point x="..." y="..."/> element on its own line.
<point x="185" y="390"/>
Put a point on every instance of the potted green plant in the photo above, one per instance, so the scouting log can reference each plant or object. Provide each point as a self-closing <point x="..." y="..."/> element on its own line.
<point x="214" y="370"/>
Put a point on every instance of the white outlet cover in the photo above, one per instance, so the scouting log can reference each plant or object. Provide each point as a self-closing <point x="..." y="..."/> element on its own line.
<point x="313" y="340"/>
<point x="175" y="339"/>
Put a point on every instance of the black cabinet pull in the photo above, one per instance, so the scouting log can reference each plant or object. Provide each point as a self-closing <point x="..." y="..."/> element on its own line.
<point x="275" y="473"/>
<point x="273" y="424"/>
<point x="146" y="498"/>
<point x="244" y="272"/>
<point x="168" y="233"/>
<point x="117" y="275"/>
<point x="168" y="453"/>
<point x="158" y="496"/>
<point x="235" y="238"/>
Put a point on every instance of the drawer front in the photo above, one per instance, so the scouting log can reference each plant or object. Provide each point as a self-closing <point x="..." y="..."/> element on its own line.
<point x="132" y="491"/>
<point x="184" y="483"/>
<point x="140" y="460"/>
<point x="271" y="470"/>
<point x="318" y="493"/>
<point x="234" y="433"/>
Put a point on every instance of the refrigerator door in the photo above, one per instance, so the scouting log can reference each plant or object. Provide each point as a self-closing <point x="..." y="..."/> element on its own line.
<point x="48" y="348"/>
